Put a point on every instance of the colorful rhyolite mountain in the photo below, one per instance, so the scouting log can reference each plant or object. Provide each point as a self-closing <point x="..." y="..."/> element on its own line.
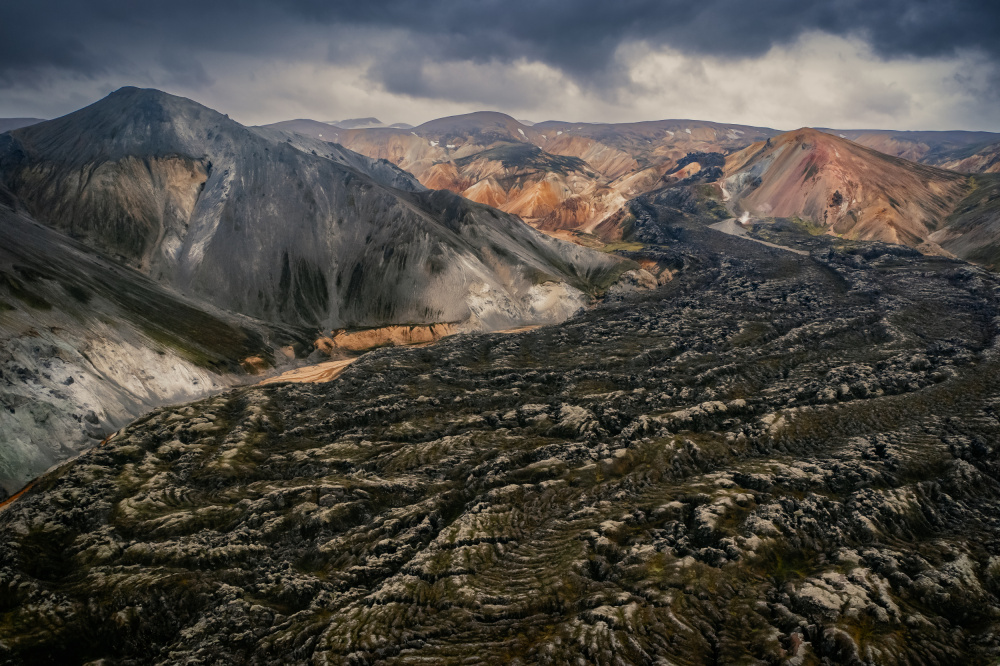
<point x="566" y="178"/>
<point x="554" y="175"/>
<point x="846" y="188"/>
<point x="843" y="188"/>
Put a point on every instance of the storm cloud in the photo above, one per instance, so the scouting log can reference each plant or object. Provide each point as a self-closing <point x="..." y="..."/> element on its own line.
<point x="536" y="57"/>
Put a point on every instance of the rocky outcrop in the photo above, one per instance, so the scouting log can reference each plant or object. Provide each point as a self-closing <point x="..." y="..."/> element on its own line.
<point x="381" y="337"/>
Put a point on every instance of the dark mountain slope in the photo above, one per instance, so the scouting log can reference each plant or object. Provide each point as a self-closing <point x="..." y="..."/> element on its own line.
<point x="87" y="345"/>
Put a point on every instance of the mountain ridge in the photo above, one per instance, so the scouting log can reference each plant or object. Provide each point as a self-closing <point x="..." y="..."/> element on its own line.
<point x="174" y="188"/>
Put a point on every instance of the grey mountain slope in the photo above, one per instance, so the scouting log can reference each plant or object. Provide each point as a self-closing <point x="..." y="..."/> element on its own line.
<point x="87" y="345"/>
<point x="257" y="226"/>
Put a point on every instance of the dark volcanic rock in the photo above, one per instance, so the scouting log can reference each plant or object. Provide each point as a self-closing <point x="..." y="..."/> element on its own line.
<point x="772" y="459"/>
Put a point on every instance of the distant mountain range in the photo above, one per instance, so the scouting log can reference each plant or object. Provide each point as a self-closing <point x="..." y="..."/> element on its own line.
<point x="477" y="155"/>
<point x="569" y="179"/>
<point x="966" y="152"/>
<point x="366" y="123"/>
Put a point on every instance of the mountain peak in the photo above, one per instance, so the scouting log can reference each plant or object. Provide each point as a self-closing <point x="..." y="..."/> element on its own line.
<point x="842" y="186"/>
<point x="132" y="95"/>
<point x="129" y="121"/>
<point x="477" y="120"/>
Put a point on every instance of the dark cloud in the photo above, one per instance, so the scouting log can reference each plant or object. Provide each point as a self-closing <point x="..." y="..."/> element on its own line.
<point x="578" y="37"/>
<point x="581" y="36"/>
<point x="402" y="44"/>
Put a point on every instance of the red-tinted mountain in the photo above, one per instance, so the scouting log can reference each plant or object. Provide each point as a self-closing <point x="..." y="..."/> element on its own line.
<point x="853" y="191"/>
<point x="846" y="188"/>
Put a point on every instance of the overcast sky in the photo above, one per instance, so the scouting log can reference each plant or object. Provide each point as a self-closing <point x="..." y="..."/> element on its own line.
<point x="904" y="64"/>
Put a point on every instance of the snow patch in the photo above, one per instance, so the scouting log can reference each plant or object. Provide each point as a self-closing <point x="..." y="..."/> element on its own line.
<point x="520" y="131"/>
